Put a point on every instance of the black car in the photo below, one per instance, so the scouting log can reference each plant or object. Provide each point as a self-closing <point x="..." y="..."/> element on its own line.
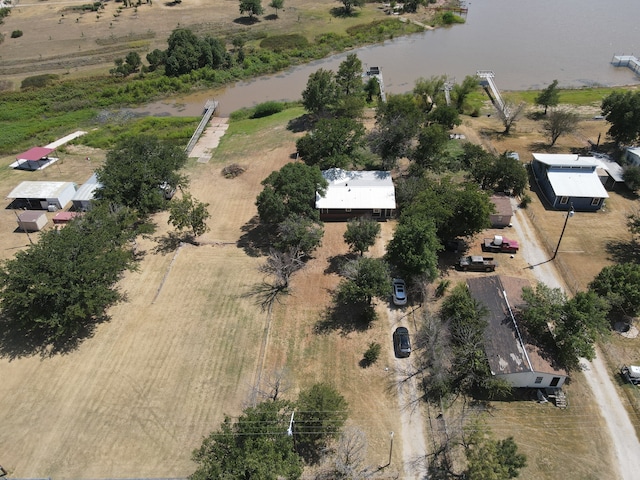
<point x="401" y="342"/>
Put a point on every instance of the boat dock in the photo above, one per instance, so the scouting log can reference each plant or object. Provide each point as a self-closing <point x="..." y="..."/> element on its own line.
<point x="627" y="61"/>
<point x="209" y="109"/>
<point x="488" y="82"/>
<point x="375" y="72"/>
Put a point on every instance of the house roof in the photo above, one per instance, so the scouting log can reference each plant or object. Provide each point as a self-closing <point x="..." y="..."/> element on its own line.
<point x="503" y="205"/>
<point x="574" y="183"/>
<point x="614" y="169"/>
<point x="33" y="189"/>
<point x="87" y="189"/>
<point x="31" y="215"/>
<point x="565" y="160"/>
<point x="506" y="345"/>
<point x="35" y="153"/>
<point x="357" y="190"/>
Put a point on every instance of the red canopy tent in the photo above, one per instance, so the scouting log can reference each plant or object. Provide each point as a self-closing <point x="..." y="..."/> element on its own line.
<point x="32" y="158"/>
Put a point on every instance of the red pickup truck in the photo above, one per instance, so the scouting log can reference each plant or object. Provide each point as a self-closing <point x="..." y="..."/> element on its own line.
<point x="499" y="244"/>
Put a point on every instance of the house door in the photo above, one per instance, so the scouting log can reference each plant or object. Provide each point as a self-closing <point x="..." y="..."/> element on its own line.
<point x="554" y="382"/>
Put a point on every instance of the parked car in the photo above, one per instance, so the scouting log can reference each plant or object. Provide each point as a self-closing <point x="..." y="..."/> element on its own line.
<point x="499" y="244"/>
<point x="401" y="342"/>
<point x="399" y="292"/>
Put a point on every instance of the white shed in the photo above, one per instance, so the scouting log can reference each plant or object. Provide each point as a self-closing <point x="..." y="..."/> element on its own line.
<point x="32" y="220"/>
<point x="44" y="195"/>
<point x="85" y="194"/>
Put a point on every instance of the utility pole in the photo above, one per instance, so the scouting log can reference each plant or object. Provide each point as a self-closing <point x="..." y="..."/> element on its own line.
<point x="569" y="214"/>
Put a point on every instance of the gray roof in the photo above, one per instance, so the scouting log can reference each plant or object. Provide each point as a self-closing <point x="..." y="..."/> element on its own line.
<point x="87" y="190"/>
<point x="34" y="189"/>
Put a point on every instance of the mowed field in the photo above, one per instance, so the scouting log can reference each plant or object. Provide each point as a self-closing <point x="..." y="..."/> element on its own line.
<point x="187" y="347"/>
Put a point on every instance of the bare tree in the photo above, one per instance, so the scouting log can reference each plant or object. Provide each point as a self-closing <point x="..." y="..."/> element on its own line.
<point x="509" y="114"/>
<point x="560" y="122"/>
<point x="277" y="383"/>
<point x="280" y="266"/>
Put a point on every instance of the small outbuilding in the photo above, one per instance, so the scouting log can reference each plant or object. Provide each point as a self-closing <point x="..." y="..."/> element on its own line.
<point x="85" y="194"/>
<point x="62" y="218"/>
<point x="504" y="211"/>
<point x="50" y="196"/>
<point x="32" y="220"/>
<point x="352" y="194"/>
<point x="512" y="356"/>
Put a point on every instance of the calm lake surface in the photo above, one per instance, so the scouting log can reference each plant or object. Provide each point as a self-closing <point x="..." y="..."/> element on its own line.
<point x="527" y="43"/>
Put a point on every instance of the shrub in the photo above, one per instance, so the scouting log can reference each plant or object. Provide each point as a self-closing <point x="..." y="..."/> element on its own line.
<point x="525" y="200"/>
<point x="442" y="288"/>
<point x="16" y="33"/>
<point x="267" y="108"/>
<point x="233" y="170"/>
<point x="372" y="354"/>
<point x="285" y="42"/>
<point x="39" y="81"/>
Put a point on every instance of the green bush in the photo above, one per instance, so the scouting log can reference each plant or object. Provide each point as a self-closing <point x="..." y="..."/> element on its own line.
<point x="16" y="34"/>
<point x="525" y="200"/>
<point x="39" y="81"/>
<point x="278" y="43"/>
<point x="372" y="354"/>
<point x="267" y="108"/>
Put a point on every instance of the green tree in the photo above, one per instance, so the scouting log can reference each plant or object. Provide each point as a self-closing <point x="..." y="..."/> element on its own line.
<point x="366" y="278"/>
<point x="444" y="115"/>
<point x="62" y="285"/>
<point x="135" y="169"/>
<point x="458" y="210"/>
<point x="620" y="285"/>
<point x="372" y="88"/>
<point x="549" y="97"/>
<point x="290" y="191"/>
<point x="398" y="121"/>
<point x="254" y="446"/>
<point x="560" y="122"/>
<point x="361" y="234"/>
<point x="414" y="247"/>
<point x="462" y="91"/>
<point x="183" y="53"/>
<point x="429" y="92"/>
<point x="631" y="177"/>
<point x="321" y="412"/>
<point x="156" y="58"/>
<point x="252" y="7"/>
<point x="490" y="459"/>
<point x="432" y="141"/>
<point x="299" y="233"/>
<point x="622" y="111"/>
<point x="350" y="4"/>
<point x="349" y="76"/>
<point x="189" y="214"/>
<point x="500" y="173"/>
<point x="332" y="143"/>
<point x="320" y="94"/>
<point x="277" y="5"/>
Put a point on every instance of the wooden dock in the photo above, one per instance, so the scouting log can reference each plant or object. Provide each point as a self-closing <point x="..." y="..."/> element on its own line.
<point x="627" y="61"/>
<point x="209" y="109"/>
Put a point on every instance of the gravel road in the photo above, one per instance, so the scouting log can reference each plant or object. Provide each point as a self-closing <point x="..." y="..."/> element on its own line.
<point x="624" y="441"/>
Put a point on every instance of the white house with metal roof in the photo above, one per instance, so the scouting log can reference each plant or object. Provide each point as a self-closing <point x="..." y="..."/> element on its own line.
<point x="43" y="195"/>
<point x="569" y="181"/>
<point x="351" y="194"/>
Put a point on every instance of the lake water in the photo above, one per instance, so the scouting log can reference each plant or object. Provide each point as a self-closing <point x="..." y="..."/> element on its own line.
<point x="526" y="43"/>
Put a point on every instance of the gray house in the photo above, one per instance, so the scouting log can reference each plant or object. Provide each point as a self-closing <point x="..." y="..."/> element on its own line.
<point x="510" y="355"/>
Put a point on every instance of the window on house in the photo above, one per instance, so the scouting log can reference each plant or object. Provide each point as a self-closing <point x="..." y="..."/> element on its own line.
<point x="376" y="212"/>
<point x="538" y="379"/>
<point x="555" y="381"/>
<point x="595" y="202"/>
<point x="348" y="210"/>
<point x="564" y="200"/>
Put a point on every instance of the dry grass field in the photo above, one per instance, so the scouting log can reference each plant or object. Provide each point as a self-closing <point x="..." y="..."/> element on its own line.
<point x="187" y="347"/>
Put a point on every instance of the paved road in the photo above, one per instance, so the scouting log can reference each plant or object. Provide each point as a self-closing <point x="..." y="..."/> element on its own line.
<point x="624" y="441"/>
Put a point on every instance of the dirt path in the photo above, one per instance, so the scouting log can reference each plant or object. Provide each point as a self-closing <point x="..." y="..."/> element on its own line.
<point x="620" y="428"/>
<point x="412" y="436"/>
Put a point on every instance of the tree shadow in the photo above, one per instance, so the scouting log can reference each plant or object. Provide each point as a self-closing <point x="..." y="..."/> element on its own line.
<point x="345" y="318"/>
<point x="255" y="240"/>
<point x="338" y="261"/>
<point x="168" y="243"/>
<point x="18" y="340"/>
<point x="300" y="124"/>
<point x="341" y="12"/>
<point x="271" y="16"/>
<point x="623" y="252"/>
<point x="625" y="192"/>
<point x="536" y="115"/>
<point x="246" y="20"/>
